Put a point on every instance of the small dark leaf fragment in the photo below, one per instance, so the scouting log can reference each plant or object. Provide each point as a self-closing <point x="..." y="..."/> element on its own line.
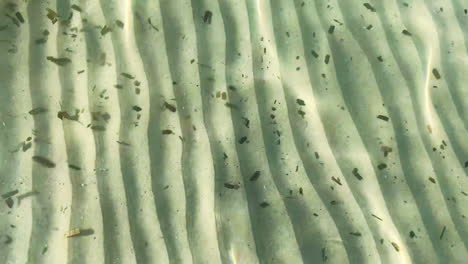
<point x="207" y="17"/>
<point x="337" y="180"/>
<point x="167" y="132"/>
<point x="264" y="204"/>
<point x="247" y="122"/>
<point x="255" y="176"/>
<point x="9" y="202"/>
<point x="19" y="17"/>
<point x="170" y="107"/>
<point x="432" y="180"/>
<point x="59" y="61"/>
<point x="327" y="59"/>
<point x="386" y="150"/>
<point x="233" y="106"/>
<point x="301" y="113"/>
<point x="358" y="234"/>
<point x="26" y="146"/>
<point x="324" y="255"/>
<point x="395" y="246"/>
<point x="136" y="108"/>
<point x="76" y="8"/>
<point x="126" y="75"/>
<point x="382" y="117"/>
<point x="8" y="239"/>
<point x="9" y="194"/>
<point x="74" y="167"/>
<point x="234" y="186"/>
<point x="368" y="6"/>
<point x="123" y="143"/>
<point x="37" y="110"/>
<point x="406" y="32"/>
<point x="412" y="234"/>
<point x="377" y="217"/>
<point x="382" y="166"/>
<point x="300" y="102"/>
<point x="356" y="174"/>
<point x="44" y="161"/>
<point x="105" y="30"/>
<point x="242" y="140"/>
<point x="119" y="23"/>
<point x="52" y="15"/>
<point x="153" y="26"/>
<point x="98" y="128"/>
<point x="315" y="54"/>
<point x="436" y="73"/>
<point x="331" y="29"/>
<point x="442" y="233"/>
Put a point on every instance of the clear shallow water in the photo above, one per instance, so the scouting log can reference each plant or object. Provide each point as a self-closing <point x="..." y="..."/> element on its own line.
<point x="233" y="131"/>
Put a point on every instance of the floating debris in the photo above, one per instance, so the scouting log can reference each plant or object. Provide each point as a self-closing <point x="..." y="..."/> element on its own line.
<point x="74" y="167"/>
<point x="8" y="240"/>
<point x="242" y="140"/>
<point x="436" y="73"/>
<point x="167" y="132"/>
<point x="9" y="202"/>
<point x="432" y="180"/>
<point x="127" y="75"/>
<point x="300" y="102"/>
<point x="315" y="54"/>
<point x="153" y="26"/>
<point x="170" y="107"/>
<point x="19" y="17"/>
<point x="44" y="161"/>
<point x="264" y="204"/>
<point x="38" y="110"/>
<point x="76" y="8"/>
<point x="123" y="143"/>
<point x="105" y="30"/>
<point x="301" y="113"/>
<point x="136" y="108"/>
<point x="377" y="217"/>
<point x="9" y="194"/>
<point x="395" y="246"/>
<point x="119" y="23"/>
<point x="207" y="17"/>
<point x="65" y="115"/>
<point x="52" y="15"/>
<point x="382" y="166"/>
<point x="255" y="176"/>
<point x="369" y="6"/>
<point x="358" y="234"/>
<point x="406" y="32"/>
<point x="324" y="255"/>
<point x="72" y="233"/>
<point x="98" y="128"/>
<point x="337" y="180"/>
<point x="442" y="233"/>
<point x="233" y="106"/>
<point x="386" y="150"/>
<point x="59" y="61"/>
<point x="382" y="117"/>
<point x="232" y="186"/>
<point x="356" y="174"/>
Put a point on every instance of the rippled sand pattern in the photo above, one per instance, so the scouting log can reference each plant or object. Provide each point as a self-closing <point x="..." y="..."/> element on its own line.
<point x="233" y="131"/>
